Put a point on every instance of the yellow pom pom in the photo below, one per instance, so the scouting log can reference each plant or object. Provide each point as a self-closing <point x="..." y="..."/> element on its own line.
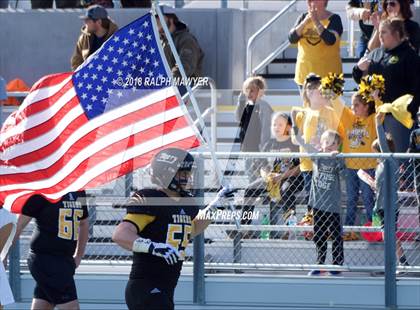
<point x="332" y="85"/>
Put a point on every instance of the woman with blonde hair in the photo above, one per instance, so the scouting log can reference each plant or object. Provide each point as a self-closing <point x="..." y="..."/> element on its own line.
<point x="399" y="9"/>
<point x="254" y="117"/>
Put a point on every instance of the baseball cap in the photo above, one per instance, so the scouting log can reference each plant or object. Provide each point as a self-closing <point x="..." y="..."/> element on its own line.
<point x="166" y="9"/>
<point x="95" y="12"/>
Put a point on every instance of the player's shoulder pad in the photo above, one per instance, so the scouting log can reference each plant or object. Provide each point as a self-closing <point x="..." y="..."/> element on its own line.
<point x="144" y="201"/>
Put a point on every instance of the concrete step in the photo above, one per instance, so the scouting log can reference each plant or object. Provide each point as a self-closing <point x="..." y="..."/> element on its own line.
<point x="279" y="82"/>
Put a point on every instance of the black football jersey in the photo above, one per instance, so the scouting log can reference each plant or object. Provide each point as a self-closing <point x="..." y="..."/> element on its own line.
<point x="172" y="224"/>
<point x="56" y="224"/>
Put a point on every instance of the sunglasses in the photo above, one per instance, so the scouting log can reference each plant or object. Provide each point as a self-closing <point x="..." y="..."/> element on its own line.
<point x="313" y="78"/>
<point x="391" y="3"/>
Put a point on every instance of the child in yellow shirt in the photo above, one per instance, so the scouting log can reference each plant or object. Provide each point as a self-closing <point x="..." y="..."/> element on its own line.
<point x="313" y="120"/>
<point x="359" y="133"/>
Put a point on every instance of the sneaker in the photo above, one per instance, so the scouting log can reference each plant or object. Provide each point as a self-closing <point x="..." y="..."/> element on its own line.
<point x="402" y="272"/>
<point x="335" y="273"/>
<point x="316" y="272"/>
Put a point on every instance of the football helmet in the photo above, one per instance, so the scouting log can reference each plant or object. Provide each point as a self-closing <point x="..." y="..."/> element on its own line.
<point x="172" y="168"/>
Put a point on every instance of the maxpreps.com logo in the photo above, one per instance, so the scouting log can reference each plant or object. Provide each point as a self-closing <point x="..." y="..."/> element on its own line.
<point x="228" y="215"/>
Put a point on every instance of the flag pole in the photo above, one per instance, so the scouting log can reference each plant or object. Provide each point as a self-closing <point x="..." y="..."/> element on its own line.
<point x="218" y="169"/>
<point x="189" y="90"/>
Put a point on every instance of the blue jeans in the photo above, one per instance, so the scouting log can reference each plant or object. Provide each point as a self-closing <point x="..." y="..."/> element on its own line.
<point x="353" y="185"/>
<point x="361" y="46"/>
<point x="307" y="181"/>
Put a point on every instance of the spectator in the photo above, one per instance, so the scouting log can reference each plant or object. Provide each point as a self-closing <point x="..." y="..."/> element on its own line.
<point x="7" y="227"/>
<point x="397" y="9"/>
<point x="281" y="178"/>
<point x="362" y="10"/>
<point x="59" y="4"/>
<point x="97" y="29"/>
<point x="325" y="197"/>
<point x="316" y="117"/>
<point x="136" y="3"/>
<point x="253" y="115"/>
<point x="385" y="144"/>
<point x="317" y="33"/>
<point x="57" y="246"/>
<point x="398" y="63"/>
<point x="415" y="148"/>
<point x="360" y="131"/>
<point x="186" y="45"/>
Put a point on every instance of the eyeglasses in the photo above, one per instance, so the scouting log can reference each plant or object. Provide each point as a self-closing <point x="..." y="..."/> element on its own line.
<point x="391" y="3"/>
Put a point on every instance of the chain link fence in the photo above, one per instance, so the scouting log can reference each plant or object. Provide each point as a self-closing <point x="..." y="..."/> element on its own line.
<point x="280" y="231"/>
<point x="269" y="223"/>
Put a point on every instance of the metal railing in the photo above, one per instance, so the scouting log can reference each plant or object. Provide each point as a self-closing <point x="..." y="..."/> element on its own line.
<point x="263" y="29"/>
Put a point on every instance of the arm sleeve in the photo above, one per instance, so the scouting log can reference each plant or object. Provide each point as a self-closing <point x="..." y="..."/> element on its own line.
<point x="189" y="55"/>
<point x="76" y="58"/>
<point x="357" y="74"/>
<point x="140" y="221"/>
<point x="266" y="113"/>
<point x="308" y="148"/>
<point x="266" y="148"/>
<point x="334" y="30"/>
<point x="33" y="206"/>
<point x="293" y="36"/>
<point x="240" y="107"/>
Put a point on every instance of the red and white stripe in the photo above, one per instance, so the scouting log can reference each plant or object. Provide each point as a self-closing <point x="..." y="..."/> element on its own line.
<point x="50" y="147"/>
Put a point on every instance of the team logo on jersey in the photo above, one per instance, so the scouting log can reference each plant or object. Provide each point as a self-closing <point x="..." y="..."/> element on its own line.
<point x="357" y="135"/>
<point x="393" y="60"/>
<point x="312" y="37"/>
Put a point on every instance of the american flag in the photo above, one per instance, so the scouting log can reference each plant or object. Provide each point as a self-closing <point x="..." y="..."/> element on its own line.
<point x="79" y="130"/>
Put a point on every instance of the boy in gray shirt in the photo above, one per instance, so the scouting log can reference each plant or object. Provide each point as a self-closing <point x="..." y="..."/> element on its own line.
<point x="325" y="197"/>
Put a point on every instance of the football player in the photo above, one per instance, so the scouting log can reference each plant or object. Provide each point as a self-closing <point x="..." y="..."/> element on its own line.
<point x="57" y="247"/>
<point x="157" y="228"/>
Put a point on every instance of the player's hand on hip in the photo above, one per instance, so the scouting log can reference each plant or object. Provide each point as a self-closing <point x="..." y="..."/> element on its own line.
<point x="166" y="251"/>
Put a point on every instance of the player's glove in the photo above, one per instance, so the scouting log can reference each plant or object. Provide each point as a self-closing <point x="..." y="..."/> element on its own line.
<point x="225" y="193"/>
<point x="166" y="251"/>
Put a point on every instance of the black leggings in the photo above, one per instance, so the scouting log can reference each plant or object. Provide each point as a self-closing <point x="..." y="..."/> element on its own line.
<point x="328" y="224"/>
